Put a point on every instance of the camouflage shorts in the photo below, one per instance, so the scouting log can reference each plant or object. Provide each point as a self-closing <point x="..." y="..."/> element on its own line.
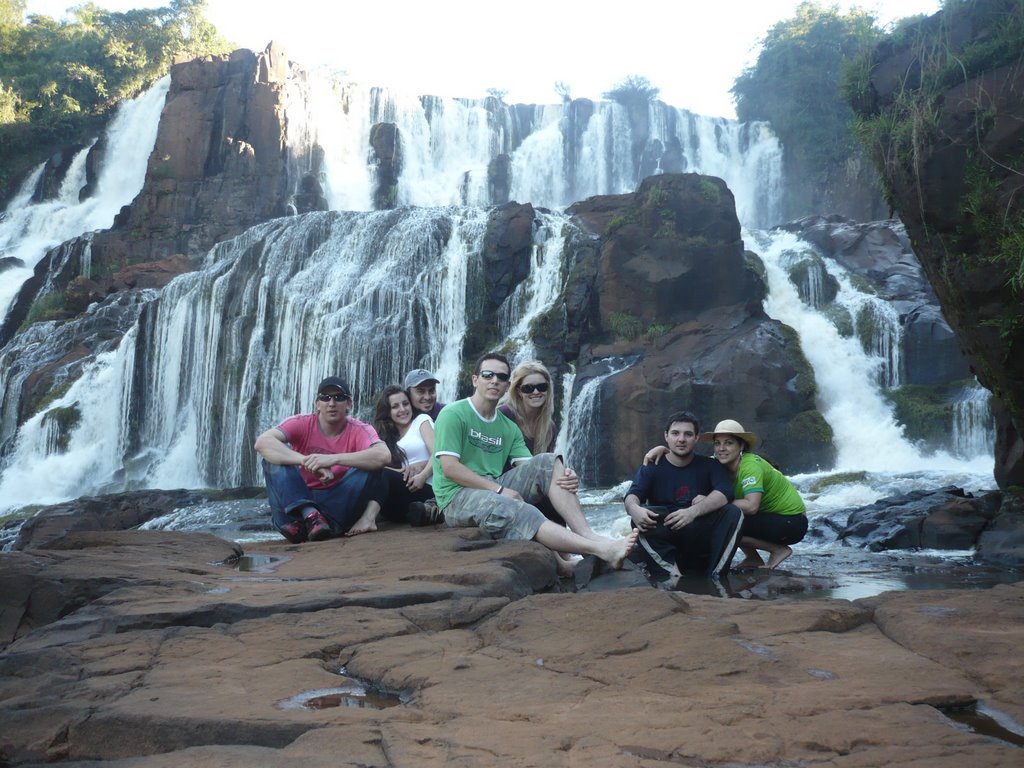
<point x="500" y="516"/>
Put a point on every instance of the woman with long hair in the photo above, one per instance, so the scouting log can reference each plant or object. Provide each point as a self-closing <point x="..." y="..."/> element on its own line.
<point x="530" y="403"/>
<point x="409" y="495"/>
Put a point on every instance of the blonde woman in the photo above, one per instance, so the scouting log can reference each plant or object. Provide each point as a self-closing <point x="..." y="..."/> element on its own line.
<point x="530" y="403"/>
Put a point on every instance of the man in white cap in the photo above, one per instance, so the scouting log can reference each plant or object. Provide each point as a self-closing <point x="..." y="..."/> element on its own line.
<point x="322" y="468"/>
<point x="682" y="507"/>
<point x="421" y="386"/>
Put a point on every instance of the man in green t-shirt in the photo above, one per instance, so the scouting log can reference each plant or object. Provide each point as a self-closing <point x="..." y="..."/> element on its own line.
<point x="472" y="445"/>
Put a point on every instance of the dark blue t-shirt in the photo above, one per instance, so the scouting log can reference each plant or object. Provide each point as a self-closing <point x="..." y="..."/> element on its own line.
<point x="664" y="484"/>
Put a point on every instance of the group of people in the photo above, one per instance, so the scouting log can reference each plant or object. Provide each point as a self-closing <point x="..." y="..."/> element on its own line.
<point x="488" y="461"/>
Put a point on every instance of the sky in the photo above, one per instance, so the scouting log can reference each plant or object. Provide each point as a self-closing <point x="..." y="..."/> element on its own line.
<point x="692" y="50"/>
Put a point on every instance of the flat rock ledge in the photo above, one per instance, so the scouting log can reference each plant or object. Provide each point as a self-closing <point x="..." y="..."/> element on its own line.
<point x="145" y="648"/>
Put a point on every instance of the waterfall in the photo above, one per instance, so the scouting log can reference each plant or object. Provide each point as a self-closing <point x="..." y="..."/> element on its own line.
<point x="974" y="431"/>
<point x="29" y="230"/>
<point x="582" y="452"/>
<point x="88" y="459"/>
<point x="539" y="290"/>
<point x="448" y="147"/>
<point x="849" y="366"/>
<point x="228" y="351"/>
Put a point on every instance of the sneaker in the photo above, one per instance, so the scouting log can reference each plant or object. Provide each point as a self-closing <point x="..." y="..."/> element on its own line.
<point x="294" y="531"/>
<point x="319" y="528"/>
<point x="423" y="513"/>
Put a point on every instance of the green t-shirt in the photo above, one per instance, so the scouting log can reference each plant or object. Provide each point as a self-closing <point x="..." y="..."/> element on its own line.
<point x="778" y="496"/>
<point x="481" y="445"/>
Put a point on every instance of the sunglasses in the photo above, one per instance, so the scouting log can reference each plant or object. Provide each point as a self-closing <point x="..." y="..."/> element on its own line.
<point x="336" y="398"/>
<point x="488" y="375"/>
<point x="529" y="389"/>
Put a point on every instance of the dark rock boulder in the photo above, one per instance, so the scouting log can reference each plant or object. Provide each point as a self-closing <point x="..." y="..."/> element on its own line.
<point x="944" y="519"/>
<point x="674" y="320"/>
<point x="386" y="146"/>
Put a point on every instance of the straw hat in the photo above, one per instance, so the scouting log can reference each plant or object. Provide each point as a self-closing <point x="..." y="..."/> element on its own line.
<point x="730" y="427"/>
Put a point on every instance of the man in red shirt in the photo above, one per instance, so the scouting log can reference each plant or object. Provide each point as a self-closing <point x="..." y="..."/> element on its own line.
<point x="322" y="468"/>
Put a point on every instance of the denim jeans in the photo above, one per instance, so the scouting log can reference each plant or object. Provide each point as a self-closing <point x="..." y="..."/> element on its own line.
<point x="342" y="503"/>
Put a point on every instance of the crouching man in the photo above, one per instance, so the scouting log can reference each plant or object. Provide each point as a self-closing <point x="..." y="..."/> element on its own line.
<point x="323" y="468"/>
<point x="681" y="506"/>
<point x="473" y="443"/>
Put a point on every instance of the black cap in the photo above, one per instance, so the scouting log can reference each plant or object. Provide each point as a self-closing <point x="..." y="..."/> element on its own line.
<point x="335" y="382"/>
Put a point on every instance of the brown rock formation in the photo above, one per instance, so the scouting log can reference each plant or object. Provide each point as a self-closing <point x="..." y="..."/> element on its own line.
<point x="674" y="290"/>
<point x="219" y="163"/>
<point x="148" y="649"/>
<point x="945" y="117"/>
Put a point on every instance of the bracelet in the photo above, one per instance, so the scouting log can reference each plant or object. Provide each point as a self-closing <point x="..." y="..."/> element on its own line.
<point x="500" y="489"/>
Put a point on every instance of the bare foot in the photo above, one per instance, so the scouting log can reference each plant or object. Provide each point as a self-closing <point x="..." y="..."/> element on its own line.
<point x="778" y="556"/>
<point x="362" y="526"/>
<point x="750" y="563"/>
<point x="565" y="567"/>
<point x="618" y="550"/>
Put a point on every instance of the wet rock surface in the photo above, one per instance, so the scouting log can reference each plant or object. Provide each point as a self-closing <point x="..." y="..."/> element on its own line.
<point x="156" y="650"/>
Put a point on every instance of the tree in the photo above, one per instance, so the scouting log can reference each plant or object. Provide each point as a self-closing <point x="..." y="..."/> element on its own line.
<point x="633" y="90"/>
<point x="794" y="85"/>
<point x="59" y="80"/>
<point x="564" y="90"/>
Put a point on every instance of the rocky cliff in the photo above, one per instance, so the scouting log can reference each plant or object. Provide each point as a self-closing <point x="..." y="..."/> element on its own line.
<point x="942" y="110"/>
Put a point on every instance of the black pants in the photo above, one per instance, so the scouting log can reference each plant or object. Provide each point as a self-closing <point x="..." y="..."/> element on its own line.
<point x="396" y="496"/>
<point x="775" y="529"/>
<point x="706" y="545"/>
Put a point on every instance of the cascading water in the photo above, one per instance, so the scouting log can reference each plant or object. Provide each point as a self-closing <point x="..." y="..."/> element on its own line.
<point x="973" y="425"/>
<point x="447" y="148"/>
<point x="228" y="351"/>
<point x="29" y="229"/>
<point x="847" y="370"/>
<point x="583" y="450"/>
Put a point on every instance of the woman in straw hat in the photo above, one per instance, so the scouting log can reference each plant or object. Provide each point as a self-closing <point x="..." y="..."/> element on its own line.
<point x="774" y="515"/>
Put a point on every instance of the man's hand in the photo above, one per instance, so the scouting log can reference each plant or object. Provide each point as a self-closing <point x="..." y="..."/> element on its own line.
<point x="644" y="519"/>
<point x="512" y="494"/>
<point x="569" y="480"/>
<point x="325" y="475"/>
<point x="314" y="462"/>
<point x="680" y="518"/>
<point x="654" y="455"/>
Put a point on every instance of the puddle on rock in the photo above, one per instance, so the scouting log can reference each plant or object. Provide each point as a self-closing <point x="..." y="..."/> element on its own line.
<point x="358" y="693"/>
<point x="255" y="563"/>
<point x="986" y="721"/>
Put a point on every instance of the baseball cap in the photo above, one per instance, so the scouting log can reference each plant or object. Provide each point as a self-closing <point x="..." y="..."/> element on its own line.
<point x="334" y="382"/>
<point x="416" y="377"/>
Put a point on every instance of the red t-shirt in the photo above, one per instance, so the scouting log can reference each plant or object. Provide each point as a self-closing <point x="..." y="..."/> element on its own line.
<point x="304" y="435"/>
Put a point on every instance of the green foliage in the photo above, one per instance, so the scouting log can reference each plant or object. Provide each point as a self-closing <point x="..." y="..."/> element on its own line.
<point x="60" y="79"/>
<point x="656" y="331"/>
<point x="710" y="191"/>
<point x="924" y="412"/>
<point x="617" y="223"/>
<point x="633" y="90"/>
<point x="794" y="86"/>
<point x="625" y="325"/>
<point x="52" y="306"/>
